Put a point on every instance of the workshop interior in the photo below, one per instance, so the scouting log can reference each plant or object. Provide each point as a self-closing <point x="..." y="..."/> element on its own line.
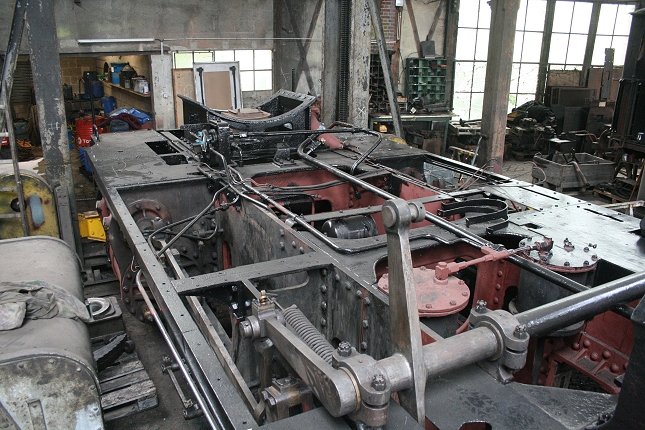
<point x="331" y="214"/>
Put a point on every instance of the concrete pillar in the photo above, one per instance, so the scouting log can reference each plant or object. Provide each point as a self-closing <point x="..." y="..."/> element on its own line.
<point x="331" y="61"/>
<point x="498" y="80"/>
<point x="359" y="63"/>
<point x="45" y="67"/>
<point x="162" y="91"/>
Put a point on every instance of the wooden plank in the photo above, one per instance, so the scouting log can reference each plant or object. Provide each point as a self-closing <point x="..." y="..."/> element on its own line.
<point x="435" y="21"/>
<point x="121" y="370"/>
<point x="124" y="381"/>
<point x="217" y="89"/>
<point x="183" y="83"/>
<point x="415" y="31"/>
<point x="134" y="393"/>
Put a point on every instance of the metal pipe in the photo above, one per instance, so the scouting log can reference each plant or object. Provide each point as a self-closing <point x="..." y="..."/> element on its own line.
<point x="367" y="153"/>
<point x="175" y="354"/>
<point x="552" y="316"/>
<point x="459" y="351"/>
<point x="90" y="41"/>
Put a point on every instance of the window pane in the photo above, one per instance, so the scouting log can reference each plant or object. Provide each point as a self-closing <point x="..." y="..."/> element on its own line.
<point x="461" y="105"/>
<point x="528" y="78"/>
<point x="607" y="19"/>
<point x="468" y="10"/>
<point x="224" y="56"/>
<point x="479" y="77"/>
<point x="536" y="13"/>
<point x="481" y="51"/>
<point x="466" y="44"/>
<point x="581" y="17"/>
<point x="183" y="60"/>
<point x="521" y="16"/>
<point x="517" y="48"/>
<point x="620" y="44"/>
<point x="624" y="20"/>
<point x="532" y="47"/>
<point x="246" y="81"/>
<point x="523" y="98"/>
<point x="558" y="52"/>
<point x="602" y="42"/>
<point x="463" y="76"/>
<point x="515" y="76"/>
<point x="476" y="106"/>
<point x="245" y="57"/>
<point x="262" y="60"/>
<point x="562" y="17"/>
<point x="577" y="46"/>
<point x="263" y="80"/>
<point x="484" y="14"/>
<point x="203" y="57"/>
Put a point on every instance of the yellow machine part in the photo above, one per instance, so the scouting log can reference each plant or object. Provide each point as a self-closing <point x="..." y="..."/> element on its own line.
<point x="90" y="226"/>
<point x="39" y="201"/>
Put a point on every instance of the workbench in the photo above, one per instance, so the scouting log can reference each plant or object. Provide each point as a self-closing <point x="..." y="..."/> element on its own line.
<point x="407" y="119"/>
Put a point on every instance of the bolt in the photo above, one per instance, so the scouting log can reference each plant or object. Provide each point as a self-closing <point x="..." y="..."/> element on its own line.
<point x="594" y="356"/>
<point x="302" y="250"/>
<point x="323" y="306"/>
<point x="429" y="306"/>
<point x="348" y="285"/>
<point x="567" y="264"/>
<point x="366" y="324"/>
<point x="363" y="346"/>
<point x="359" y="294"/>
<point x="614" y="368"/>
<point x="323" y="272"/>
<point x="453" y="303"/>
<point x="586" y="263"/>
<point x="126" y="299"/>
<point x="367" y="301"/>
<point x="465" y="294"/>
<point x="126" y="288"/>
<point x="323" y="288"/>
<point x="423" y="268"/>
<point x="585" y="249"/>
<point x="378" y="382"/>
<point x="281" y="232"/>
<point x="520" y="331"/>
<point x="344" y="349"/>
<point x="606" y="354"/>
<point x="293" y="243"/>
<point x="281" y="245"/>
<point x="594" y="257"/>
<point x="337" y="277"/>
<point x="481" y="306"/>
<point x="323" y="322"/>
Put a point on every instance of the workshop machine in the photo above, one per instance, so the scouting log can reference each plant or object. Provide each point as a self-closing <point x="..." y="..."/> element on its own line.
<point x="308" y="276"/>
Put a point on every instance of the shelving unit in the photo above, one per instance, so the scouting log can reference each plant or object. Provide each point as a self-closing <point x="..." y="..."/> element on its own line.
<point x="426" y="77"/>
<point x="127" y="90"/>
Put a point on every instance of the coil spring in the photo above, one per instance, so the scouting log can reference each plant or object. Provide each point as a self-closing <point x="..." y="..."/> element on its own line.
<point x="308" y="333"/>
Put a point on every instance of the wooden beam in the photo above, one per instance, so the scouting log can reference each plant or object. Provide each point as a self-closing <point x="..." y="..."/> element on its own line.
<point x="498" y="81"/>
<point x="415" y="31"/>
<point x="435" y="21"/>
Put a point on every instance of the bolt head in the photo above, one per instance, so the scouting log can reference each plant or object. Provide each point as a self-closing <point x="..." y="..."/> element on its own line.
<point x="363" y="346"/>
<point x="520" y="331"/>
<point x="379" y="383"/>
<point x="481" y="306"/>
<point x="344" y="349"/>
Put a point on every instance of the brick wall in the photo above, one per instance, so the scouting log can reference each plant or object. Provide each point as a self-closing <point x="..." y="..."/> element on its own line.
<point x="388" y="16"/>
<point x="72" y="68"/>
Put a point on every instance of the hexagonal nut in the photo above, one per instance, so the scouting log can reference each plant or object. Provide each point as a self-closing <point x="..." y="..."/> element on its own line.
<point x="344" y="349"/>
<point x="379" y="383"/>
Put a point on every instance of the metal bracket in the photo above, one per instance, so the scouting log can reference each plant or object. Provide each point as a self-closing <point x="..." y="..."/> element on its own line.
<point x="512" y="338"/>
<point x="404" y="314"/>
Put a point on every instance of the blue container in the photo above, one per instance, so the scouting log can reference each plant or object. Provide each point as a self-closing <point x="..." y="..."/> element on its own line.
<point x="109" y="104"/>
<point x="85" y="160"/>
<point x="116" y="69"/>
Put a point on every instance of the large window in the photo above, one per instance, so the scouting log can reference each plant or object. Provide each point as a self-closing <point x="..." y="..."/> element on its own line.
<point x="569" y="41"/>
<point x="255" y="65"/>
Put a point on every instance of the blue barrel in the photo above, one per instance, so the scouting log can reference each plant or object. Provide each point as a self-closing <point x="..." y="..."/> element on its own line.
<point x="109" y="104"/>
<point x="97" y="89"/>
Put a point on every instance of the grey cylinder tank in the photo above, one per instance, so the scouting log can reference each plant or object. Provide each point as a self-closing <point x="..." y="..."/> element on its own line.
<point x="46" y="366"/>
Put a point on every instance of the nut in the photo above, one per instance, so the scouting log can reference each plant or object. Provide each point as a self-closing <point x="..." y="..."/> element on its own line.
<point x="379" y="383"/>
<point x="344" y="349"/>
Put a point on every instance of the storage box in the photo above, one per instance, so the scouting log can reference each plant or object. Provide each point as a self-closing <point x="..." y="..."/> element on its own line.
<point x="561" y="173"/>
